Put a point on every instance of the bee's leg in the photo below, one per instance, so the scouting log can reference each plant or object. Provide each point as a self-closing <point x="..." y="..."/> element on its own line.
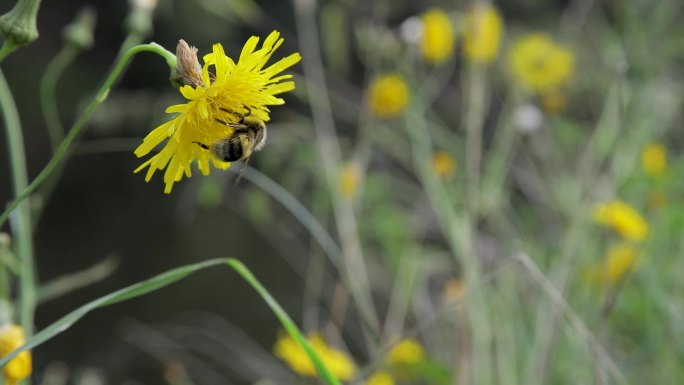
<point x="239" y="127"/>
<point x="235" y="113"/>
<point x="204" y="146"/>
<point x="242" y="171"/>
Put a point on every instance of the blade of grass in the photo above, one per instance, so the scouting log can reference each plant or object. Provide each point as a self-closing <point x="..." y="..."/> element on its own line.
<point x="126" y="293"/>
<point x="282" y="316"/>
<point x="165" y="279"/>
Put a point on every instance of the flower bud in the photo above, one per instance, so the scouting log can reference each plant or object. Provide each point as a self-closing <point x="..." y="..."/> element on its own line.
<point x="80" y="31"/>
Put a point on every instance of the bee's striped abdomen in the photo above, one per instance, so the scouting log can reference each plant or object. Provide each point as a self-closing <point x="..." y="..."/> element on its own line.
<point x="231" y="149"/>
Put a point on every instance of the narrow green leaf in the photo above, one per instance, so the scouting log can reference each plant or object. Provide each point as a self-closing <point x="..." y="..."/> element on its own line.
<point x="167" y="278"/>
<point x="126" y="293"/>
<point x="285" y="320"/>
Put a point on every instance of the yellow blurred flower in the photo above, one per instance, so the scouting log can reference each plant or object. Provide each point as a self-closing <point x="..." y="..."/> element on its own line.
<point x="654" y="160"/>
<point x="482" y="33"/>
<point x="350" y="176"/>
<point x="619" y="261"/>
<point x="623" y="219"/>
<point x="19" y="368"/>
<point x="388" y="96"/>
<point x="537" y="62"/>
<point x="553" y="102"/>
<point x="380" y="378"/>
<point x="437" y="42"/>
<point x="443" y="164"/>
<point x="338" y="362"/>
<point x="406" y="352"/>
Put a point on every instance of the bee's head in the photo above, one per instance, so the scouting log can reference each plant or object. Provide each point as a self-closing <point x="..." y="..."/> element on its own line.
<point x="257" y="130"/>
<point x="253" y="123"/>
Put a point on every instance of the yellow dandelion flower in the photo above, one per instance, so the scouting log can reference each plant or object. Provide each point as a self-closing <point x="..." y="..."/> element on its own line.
<point x="482" y="33"/>
<point x="225" y="90"/>
<point x="350" y="176"/>
<point x="654" y="160"/>
<point x="443" y="164"/>
<point x="406" y="352"/>
<point x="380" y="378"/>
<point x="19" y="368"/>
<point x="338" y="362"/>
<point x="388" y="96"/>
<point x="537" y="62"/>
<point x="619" y="261"/>
<point x="437" y="43"/>
<point x="623" y="219"/>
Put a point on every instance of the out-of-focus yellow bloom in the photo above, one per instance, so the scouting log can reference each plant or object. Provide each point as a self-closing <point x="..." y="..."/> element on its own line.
<point x="350" y="176"/>
<point x="406" y="352"/>
<point x="553" y="102"/>
<point x="388" y="96"/>
<point x="537" y="62"/>
<point x="654" y="160"/>
<point x="454" y="290"/>
<point x="622" y="218"/>
<point x="19" y="368"/>
<point x="619" y="261"/>
<point x="338" y="362"/>
<point x="437" y="43"/>
<point x="443" y="164"/>
<point x="380" y="378"/>
<point x="482" y="33"/>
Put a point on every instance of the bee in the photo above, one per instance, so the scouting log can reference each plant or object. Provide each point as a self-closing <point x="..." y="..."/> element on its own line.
<point x="249" y="135"/>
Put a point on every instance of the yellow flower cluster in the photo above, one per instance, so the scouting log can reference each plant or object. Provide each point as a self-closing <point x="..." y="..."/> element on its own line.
<point x="482" y="33"/>
<point x="539" y="63"/>
<point x="388" y="96"/>
<point x="623" y="219"/>
<point x="19" y="368"/>
<point x="339" y="363"/>
<point x="215" y="92"/>
<point x="437" y="44"/>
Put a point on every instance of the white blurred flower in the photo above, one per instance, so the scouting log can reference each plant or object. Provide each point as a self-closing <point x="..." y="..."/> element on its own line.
<point x="411" y="30"/>
<point x="527" y="118"/>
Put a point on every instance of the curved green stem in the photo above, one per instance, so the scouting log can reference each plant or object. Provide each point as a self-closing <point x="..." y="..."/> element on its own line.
<point x="75" y="130"/>
<point x="48" y="98"/>
<point x="23" y="231"/>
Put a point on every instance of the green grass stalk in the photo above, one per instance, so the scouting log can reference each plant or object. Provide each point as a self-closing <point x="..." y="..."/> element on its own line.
<point x="23" y="231"/>
<point x="65" y="147"/>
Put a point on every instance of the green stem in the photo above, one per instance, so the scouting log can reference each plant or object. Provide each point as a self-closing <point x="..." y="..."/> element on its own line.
<point x="7" y="48"/>
<point x="48" y="87"/>
<point x="75" y="130"/>
<point x="22" y="221"/>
